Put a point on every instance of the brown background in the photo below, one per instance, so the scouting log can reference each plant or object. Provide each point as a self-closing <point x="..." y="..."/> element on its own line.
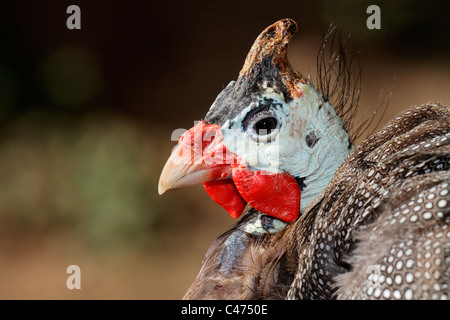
<point x="87" y="115"/>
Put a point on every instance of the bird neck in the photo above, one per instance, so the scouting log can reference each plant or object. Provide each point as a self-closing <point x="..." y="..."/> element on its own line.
<point x="332" y="145"/>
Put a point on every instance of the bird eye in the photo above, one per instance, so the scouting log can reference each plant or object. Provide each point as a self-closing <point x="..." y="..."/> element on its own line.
<point x="264" y="126"/>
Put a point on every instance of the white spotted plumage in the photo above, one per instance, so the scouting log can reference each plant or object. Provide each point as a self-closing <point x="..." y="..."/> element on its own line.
<point x="407" y="238"/>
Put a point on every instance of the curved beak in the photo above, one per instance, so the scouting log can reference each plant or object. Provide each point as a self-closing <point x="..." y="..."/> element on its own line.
<point x="199" y="157"/>
<point x="181" y="172"/>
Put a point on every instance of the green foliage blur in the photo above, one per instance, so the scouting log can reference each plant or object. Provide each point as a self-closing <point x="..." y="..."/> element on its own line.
<point x="91" y="177"/>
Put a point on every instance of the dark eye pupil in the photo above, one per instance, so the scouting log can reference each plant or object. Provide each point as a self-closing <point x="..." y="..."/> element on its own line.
<point x="265" y="126"/>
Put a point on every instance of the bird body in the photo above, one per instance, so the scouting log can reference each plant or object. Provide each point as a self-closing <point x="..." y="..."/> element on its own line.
<point x="380" y="229"/>
<point x="320" y="218"/>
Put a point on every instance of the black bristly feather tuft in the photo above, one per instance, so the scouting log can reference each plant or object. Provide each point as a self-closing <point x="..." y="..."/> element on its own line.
<point x="339" y="79"/>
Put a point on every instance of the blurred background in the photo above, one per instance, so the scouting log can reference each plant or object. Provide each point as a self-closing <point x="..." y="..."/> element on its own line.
<point x="86" y="118"/>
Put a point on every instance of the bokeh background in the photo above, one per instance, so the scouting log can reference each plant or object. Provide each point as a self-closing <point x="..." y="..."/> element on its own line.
<point x="86" y="118"/>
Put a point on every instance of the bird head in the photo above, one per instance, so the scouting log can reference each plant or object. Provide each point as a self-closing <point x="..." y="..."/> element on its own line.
<point x="270" y="140"/>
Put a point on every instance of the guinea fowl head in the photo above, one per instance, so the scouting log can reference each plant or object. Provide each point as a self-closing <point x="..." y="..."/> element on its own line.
<point x="270" y="139"/>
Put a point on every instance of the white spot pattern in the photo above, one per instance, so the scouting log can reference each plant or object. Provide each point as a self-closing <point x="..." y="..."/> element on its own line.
<point x="392" y="216"/>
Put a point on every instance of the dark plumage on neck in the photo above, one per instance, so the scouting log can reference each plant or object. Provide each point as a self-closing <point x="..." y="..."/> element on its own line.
<point x="238" y="265"/>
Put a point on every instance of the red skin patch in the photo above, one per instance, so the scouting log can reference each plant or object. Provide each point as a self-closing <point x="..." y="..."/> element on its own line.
<point x="275" y="194"/>
<point x="206" y="142"/>
<point x="225" y="194"/>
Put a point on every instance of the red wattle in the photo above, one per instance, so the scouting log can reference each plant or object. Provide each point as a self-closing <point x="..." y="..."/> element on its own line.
<point x="275" y="194"/>
<point x="224" y="193"/>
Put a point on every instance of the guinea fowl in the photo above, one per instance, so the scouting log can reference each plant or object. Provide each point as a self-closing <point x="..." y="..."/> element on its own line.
<point x="321" y="219"/>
